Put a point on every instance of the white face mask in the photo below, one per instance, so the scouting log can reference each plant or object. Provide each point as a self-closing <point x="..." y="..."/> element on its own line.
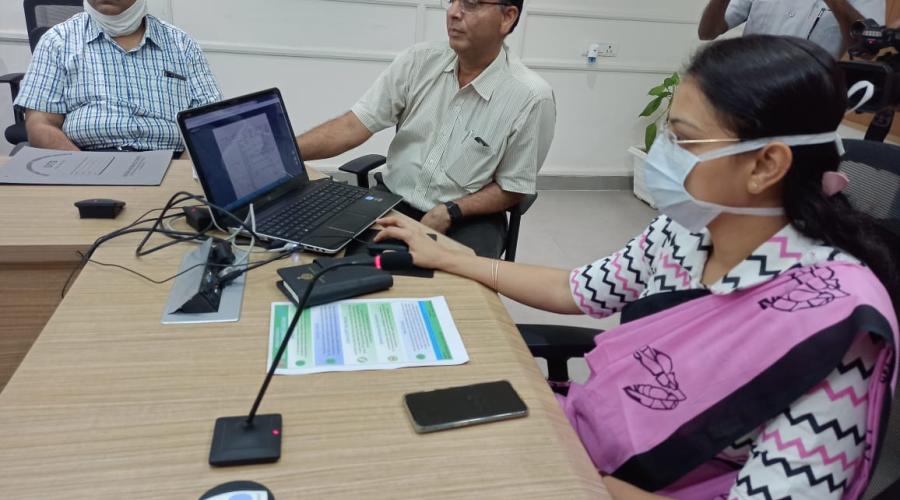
<point x="668" y="166"/>
<point x="124" y="23"/>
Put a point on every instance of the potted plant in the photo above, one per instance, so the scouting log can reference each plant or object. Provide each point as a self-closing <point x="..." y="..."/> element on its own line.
<point x="657" y="109"/>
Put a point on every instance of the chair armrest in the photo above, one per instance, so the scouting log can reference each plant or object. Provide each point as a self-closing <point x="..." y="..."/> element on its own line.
<point x="361" y="167"/>
<point x="557" y="340"/>
<point x="525" y="204"/>
<point x="515" y="223"/>
<point x="12" y="78"/>
<point x="557" y="344"/>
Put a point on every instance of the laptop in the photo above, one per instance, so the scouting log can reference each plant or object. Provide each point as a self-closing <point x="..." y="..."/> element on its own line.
<point x="245" y="154"/>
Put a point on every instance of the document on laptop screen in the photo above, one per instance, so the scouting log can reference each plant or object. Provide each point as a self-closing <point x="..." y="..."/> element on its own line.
<point x="242" y="150"/>
<point x="353" y="335"/>
<point x="250" y="154"/>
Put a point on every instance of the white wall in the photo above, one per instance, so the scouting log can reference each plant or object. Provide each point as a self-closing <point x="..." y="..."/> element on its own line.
<point x="14" y="57"/>
<point x="323" y="54"/>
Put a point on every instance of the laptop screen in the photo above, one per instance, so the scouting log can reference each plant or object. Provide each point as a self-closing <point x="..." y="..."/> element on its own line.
<point x="242" y="148"/>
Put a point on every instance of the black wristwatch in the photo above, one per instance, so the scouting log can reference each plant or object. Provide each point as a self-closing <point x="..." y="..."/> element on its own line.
<point x="454" y="211"/>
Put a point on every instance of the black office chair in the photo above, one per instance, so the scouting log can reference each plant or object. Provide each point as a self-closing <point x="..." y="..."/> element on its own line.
<point x="361" y="167"/>
<point x="40" y="16"/>
<point x="874" y="172"/>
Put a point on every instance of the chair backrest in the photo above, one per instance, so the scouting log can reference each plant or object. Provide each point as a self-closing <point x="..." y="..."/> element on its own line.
<point x="874" y="172"/>
<point x="41" y="15"/>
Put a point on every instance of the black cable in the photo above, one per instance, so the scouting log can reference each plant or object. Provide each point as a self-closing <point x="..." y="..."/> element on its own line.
<point x="140" y="252"/>
<point x="92" y="248"/>
<point x="176" y="236"/>
<point x="173" y="201"/>
<point x="151" y="280"/>
<point x="233" y="275"/>
<point x="86" y="256"/>
<point x="170" y="278"/>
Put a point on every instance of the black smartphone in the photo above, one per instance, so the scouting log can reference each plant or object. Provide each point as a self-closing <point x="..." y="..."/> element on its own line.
<point x="461" y="406"/>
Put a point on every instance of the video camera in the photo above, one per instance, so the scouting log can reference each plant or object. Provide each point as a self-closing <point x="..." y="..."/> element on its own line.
<point x="868" y="39"/>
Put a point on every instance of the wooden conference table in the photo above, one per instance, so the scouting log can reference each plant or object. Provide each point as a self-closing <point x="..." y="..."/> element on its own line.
<point x="109" y="403"/>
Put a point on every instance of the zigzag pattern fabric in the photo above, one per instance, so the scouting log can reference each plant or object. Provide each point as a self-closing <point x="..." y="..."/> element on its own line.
<point x="809" y="450"/>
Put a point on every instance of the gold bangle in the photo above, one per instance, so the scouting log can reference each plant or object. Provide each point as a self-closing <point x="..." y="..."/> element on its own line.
<point x="495" y="275"/>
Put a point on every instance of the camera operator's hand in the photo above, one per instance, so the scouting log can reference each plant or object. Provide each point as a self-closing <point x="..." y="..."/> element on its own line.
<point x="846" y="15"/>
<point x="713" y="23"/>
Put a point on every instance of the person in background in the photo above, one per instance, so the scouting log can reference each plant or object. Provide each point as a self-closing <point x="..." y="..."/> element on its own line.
<point x="755" y="358"/>
<point x="113" y="78"/>
<point x="825" y="22"/>
<point x="473" y="126"/>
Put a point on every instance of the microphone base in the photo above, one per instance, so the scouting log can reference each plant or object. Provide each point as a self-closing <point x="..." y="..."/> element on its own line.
<point x="236" y="443"/>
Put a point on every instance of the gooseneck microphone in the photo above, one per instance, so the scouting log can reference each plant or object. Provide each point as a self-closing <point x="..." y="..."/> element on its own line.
<point x="253" y="438"/>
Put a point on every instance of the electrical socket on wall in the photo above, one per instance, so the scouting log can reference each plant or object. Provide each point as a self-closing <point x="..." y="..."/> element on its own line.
<point x="600" y="49"/>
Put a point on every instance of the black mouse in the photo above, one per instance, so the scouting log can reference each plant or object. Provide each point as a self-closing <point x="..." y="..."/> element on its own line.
<point x="388" y="245"/>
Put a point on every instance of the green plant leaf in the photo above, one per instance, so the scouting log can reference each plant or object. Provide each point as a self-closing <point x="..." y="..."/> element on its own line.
<point x="652" y="107"/>
<point x="649" y="136"/>
<point x="672" y="81"/>
<point x="657" y="91"/>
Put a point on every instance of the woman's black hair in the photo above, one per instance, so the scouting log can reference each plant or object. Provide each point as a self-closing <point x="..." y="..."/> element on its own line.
<point x="765" y="86"/>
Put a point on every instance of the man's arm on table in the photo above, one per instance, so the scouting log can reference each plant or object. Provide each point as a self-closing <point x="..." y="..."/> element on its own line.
<point x="333" y="137"/>
<point x="45" y="131"/>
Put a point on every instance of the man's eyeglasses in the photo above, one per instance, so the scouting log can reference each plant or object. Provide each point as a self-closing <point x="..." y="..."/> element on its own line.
<point x="470" y="5"/>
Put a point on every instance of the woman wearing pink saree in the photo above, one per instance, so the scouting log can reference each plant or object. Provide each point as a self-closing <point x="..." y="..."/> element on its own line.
<point x="756" y="353"/>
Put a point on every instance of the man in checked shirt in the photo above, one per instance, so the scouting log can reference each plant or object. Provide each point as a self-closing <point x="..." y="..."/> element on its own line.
<point x="113" y="78"/>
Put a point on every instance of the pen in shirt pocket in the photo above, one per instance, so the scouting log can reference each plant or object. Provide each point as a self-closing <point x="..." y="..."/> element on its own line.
<point x="172" y="74"/>
<point x="816" y="22"/>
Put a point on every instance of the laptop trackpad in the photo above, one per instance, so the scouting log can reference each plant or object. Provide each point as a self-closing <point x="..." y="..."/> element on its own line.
<point x="349" y="221"/>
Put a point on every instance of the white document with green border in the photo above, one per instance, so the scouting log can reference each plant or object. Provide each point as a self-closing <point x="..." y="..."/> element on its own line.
<point x="355" y="335"/>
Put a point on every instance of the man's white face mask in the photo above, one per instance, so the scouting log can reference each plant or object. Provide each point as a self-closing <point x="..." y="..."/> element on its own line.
<point x="122" y="24"/>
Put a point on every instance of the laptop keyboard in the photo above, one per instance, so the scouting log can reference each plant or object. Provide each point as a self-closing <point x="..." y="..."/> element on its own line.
<point x="301" y="216"/>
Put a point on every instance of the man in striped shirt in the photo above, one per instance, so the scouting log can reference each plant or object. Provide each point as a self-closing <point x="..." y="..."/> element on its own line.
<point x="113" y="78"/>
<point x="473" y="126"/>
